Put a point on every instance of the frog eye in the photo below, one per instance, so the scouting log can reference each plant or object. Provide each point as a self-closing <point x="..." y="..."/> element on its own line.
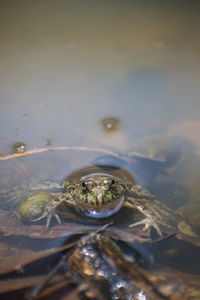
<point x="86" y="186"/>
<point x="83" y="184"/>
<point x="110" y="182"/>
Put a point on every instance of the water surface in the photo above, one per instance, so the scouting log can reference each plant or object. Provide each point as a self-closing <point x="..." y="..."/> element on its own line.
<point x="66" y="65"/>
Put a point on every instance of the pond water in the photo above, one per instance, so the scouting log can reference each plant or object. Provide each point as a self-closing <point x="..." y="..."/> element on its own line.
<point x="112" y="75"/>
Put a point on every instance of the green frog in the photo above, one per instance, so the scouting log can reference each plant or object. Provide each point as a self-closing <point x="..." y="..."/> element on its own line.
<point x="96" y="195"/>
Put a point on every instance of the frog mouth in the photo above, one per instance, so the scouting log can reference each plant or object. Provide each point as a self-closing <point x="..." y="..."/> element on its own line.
<point x="101" y="212"/>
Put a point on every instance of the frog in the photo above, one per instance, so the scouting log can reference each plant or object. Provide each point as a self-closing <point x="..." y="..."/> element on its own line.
<point x="95" y="196"/>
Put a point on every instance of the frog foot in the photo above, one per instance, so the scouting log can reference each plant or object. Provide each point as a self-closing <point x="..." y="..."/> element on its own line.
<point x="148" y="222"/>
<point x="49" y="216"/>
<point x="49" y="212"/>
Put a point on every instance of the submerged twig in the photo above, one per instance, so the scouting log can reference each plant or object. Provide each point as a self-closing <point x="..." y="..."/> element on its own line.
<point x="59" y="148"/>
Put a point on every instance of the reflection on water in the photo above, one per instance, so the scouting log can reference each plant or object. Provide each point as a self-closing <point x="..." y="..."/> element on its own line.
<point x="67" y="67"/>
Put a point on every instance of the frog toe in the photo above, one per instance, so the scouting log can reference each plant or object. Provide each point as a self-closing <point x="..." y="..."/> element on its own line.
<point x="147" y="224"/>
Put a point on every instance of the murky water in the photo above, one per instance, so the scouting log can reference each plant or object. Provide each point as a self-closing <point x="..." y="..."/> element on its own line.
<point x="65" y="66"/>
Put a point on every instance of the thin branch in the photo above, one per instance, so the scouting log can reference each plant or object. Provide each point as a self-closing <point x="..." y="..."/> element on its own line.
<point x="61" y="148"/>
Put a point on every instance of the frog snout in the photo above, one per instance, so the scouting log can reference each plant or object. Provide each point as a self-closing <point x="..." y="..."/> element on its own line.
<point x="98" y="194"/>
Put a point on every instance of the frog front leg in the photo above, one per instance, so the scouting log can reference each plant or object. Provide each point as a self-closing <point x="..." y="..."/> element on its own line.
<point x="135" y="196"/>
<point x="49" y="212"/>
<point x="148" y="221"/>
<point x="50" y="209"/>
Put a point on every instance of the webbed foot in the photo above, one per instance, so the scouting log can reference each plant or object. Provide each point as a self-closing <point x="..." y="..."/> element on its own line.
<point x="49" y="217"/>
<point x="148" y="222"/>
<point x="50" y="212"/>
